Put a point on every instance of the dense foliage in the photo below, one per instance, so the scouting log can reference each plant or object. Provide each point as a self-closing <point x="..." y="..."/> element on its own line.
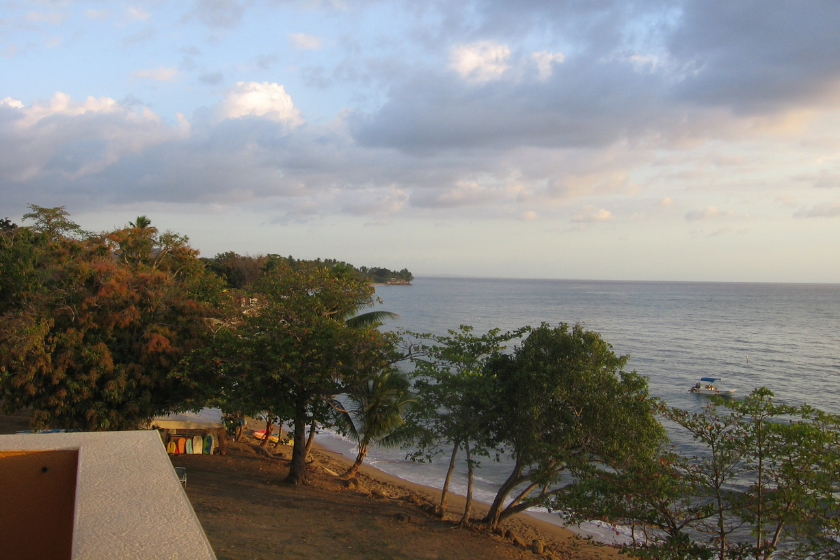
<point x="93" y="324"/>
<point x="240" y="271"/>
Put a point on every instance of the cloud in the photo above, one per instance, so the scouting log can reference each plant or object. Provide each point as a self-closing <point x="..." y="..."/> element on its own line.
<point x="305" y="42"/>
<point x="757" y="56"/>
<point x="61" y="140"/>
<point x="373" y="202"/>
<point x="137" y="14"/>
<point x="824" y="210"/>
<point x="463" y="193"/>
<point x="480" y="62"/>
<point x="827" y="180"/>
<point x="707" y="213"/>
<point x="97" y="14"/>
<point x="267" y="100"/>
<point x="592" y="214"/>
<point x="211" y="78"/>
<point x="160" y="74"/>
<point x="223" y="14"/>
<point x="545" y="62"/>
<point x="666" y="201"/>
<point x="528" y="216"/>
<point x="51" y="18"/>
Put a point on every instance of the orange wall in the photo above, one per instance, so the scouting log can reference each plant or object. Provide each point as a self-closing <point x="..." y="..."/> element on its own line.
<point x="37" y="497"/>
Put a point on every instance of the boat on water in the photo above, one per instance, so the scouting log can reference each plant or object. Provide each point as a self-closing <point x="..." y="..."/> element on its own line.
<point x="706" y="386"/>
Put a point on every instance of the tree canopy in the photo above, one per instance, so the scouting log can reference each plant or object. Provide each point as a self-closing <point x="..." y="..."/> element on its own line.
<point x="565" y="406"/>
<point x="93" y="324"/>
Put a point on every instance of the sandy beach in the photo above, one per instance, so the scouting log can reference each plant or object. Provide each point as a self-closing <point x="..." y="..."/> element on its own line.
<point x="248" y="512"/>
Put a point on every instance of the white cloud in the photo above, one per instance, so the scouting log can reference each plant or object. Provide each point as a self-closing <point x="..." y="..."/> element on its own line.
<point x="62" y="139"/>
<point x="267" y="100"/>
<point x="160" y="74"/>
<point x="592" y="214"/>
<point x="9" y="102"/>
<point x="528" y="216"/>
<point x="480" y="62"/>
<point x="305" y="42"/>
<point x="666" y="201"/>
<point x="545" y="62"/>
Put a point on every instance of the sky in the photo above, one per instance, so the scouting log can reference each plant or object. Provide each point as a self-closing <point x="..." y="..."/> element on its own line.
<point x="692" y="140"/>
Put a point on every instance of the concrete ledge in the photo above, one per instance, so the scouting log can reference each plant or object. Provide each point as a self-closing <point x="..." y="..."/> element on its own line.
<point x="129" y="503"/>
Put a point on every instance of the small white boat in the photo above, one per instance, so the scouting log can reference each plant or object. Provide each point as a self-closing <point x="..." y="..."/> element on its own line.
<point x="706" y="386"/>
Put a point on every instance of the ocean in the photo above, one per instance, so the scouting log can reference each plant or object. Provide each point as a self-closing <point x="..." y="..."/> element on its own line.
<point x="785" y="337"/>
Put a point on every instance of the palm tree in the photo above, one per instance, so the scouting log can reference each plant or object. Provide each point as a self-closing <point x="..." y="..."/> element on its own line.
<point x="142" y="222"/>
<point x="370" y="319"/>
<point x="376" y="414"/>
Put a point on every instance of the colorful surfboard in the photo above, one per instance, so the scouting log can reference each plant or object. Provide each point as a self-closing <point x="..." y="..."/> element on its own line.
<point x="260" y="434"/>
<point x="188" y="447"/>
<point x="171" y="447"/>
<point x="182" y="445"/>
<point x="208" y="444"/>
<point x="198" y="444"/>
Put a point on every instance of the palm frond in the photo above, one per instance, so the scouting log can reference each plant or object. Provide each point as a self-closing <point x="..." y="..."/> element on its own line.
<point x="369" y="319"/>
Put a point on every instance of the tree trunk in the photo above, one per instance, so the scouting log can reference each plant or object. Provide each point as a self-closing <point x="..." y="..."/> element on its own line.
<point x="354" y="469"/>
<point x="445" y="492"/>
<point x="240" y="427"/>
<point x="297" y="468"/>
<point x="494" y="515"/>
<point x="279" y="435"/>
<point x="311" y="437"/>
<point x="465" y="519"/>
<point x="269" y="425"/>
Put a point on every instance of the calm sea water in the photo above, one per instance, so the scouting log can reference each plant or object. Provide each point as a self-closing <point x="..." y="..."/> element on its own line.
<point x="782" y="336"/>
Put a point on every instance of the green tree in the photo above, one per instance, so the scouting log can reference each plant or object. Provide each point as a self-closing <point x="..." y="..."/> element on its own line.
<point x="88" y="336"/>
<point x="791" y="460"/>
<point x="657" y="493"/>
<point x="566" y="406"/>
<point x="716" y="471"/>
<point x="295" y="352"/>
<point x="455" y="398"/>
<point x="54" y="223"/>
<point x="376" y="413"/>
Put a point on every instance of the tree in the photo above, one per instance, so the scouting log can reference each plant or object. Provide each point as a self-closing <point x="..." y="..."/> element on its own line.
<point x="655" y="492"/>
<point x="295" y="352"/>
<point x="791" y="460"/>
<point x="375" y="416"/>
<point x="54" y="223"/>
<point x="566" y="406"/>
<point x="454" y="397"/>
<point x="237" y="270"/>
<point x="92" y="326"/>
<point x="716" y="471"/>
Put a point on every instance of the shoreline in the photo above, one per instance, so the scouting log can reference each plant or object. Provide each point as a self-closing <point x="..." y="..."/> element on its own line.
<point x="532" y="524"/>
<point x="334" y="444"/>
<point x="537" y="522"/>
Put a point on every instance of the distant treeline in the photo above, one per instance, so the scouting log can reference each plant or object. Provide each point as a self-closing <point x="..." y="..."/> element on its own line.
<point x="239" y="271"/>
